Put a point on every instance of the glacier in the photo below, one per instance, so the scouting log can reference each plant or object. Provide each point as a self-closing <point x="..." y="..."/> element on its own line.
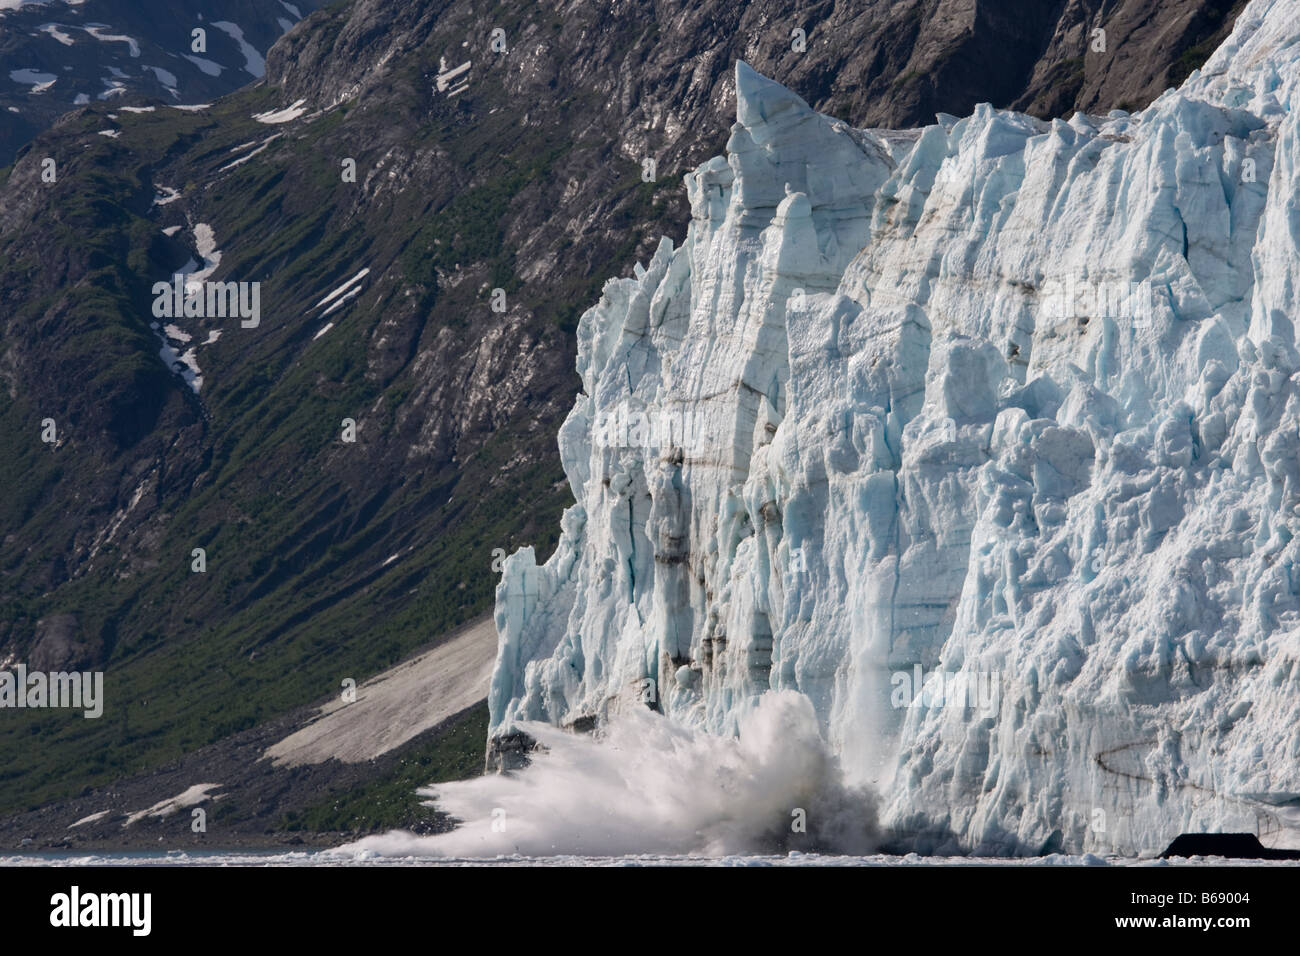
<point x="982" y="437"/>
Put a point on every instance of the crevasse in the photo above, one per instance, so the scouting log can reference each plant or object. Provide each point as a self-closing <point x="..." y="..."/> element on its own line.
<point x="998" y="401"/>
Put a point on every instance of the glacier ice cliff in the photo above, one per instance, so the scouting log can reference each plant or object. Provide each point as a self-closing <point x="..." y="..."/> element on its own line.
<point x="984" y="437"/>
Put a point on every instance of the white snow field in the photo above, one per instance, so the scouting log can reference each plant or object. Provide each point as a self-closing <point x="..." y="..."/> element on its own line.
<point x="1004" y="404"/>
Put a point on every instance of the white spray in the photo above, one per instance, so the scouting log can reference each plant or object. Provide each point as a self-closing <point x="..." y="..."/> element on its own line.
<point x="646" y="785"/>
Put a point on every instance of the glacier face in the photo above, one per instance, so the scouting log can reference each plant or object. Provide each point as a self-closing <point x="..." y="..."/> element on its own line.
<point x="984" y="437"/>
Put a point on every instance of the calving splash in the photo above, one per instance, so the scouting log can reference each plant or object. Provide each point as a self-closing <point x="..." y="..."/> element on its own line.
<point x="995" y="397"/>
<point x="649" y="785"/>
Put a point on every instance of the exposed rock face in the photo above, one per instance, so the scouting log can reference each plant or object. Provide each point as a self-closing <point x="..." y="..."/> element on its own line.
<point x="60" y="645"/>
<point x="667" y="71"/>
<point x="982" y="436"/>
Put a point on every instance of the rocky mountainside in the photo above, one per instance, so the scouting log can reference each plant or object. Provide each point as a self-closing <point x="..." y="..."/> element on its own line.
<point x="427" y="196"/>
<point x="57" y="54"/>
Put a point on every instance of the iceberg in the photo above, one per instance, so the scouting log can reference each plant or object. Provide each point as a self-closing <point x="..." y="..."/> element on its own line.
<point x="982" y="437"/>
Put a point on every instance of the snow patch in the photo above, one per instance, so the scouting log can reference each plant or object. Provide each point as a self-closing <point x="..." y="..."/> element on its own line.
<point x="346" y="297"/>
<point x="53" y="30"/>
<point x="185" y="364"/>
<point x="205" y="243"/>
<point x="192" y="797"/>
<point x="254" y="64"/>
<point x="204" y="64"/>
<point x="343" y="288"/>
<point x="243" y="159"/>
<point x="90" y="819"/>
<point x="289" y="113"/>
<point x="166" y="77"/>
<point x="447" y="76"/>
<point x="96" y="30"/>
<point x="39" y="82"/>
<point x="177" y="349"/>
